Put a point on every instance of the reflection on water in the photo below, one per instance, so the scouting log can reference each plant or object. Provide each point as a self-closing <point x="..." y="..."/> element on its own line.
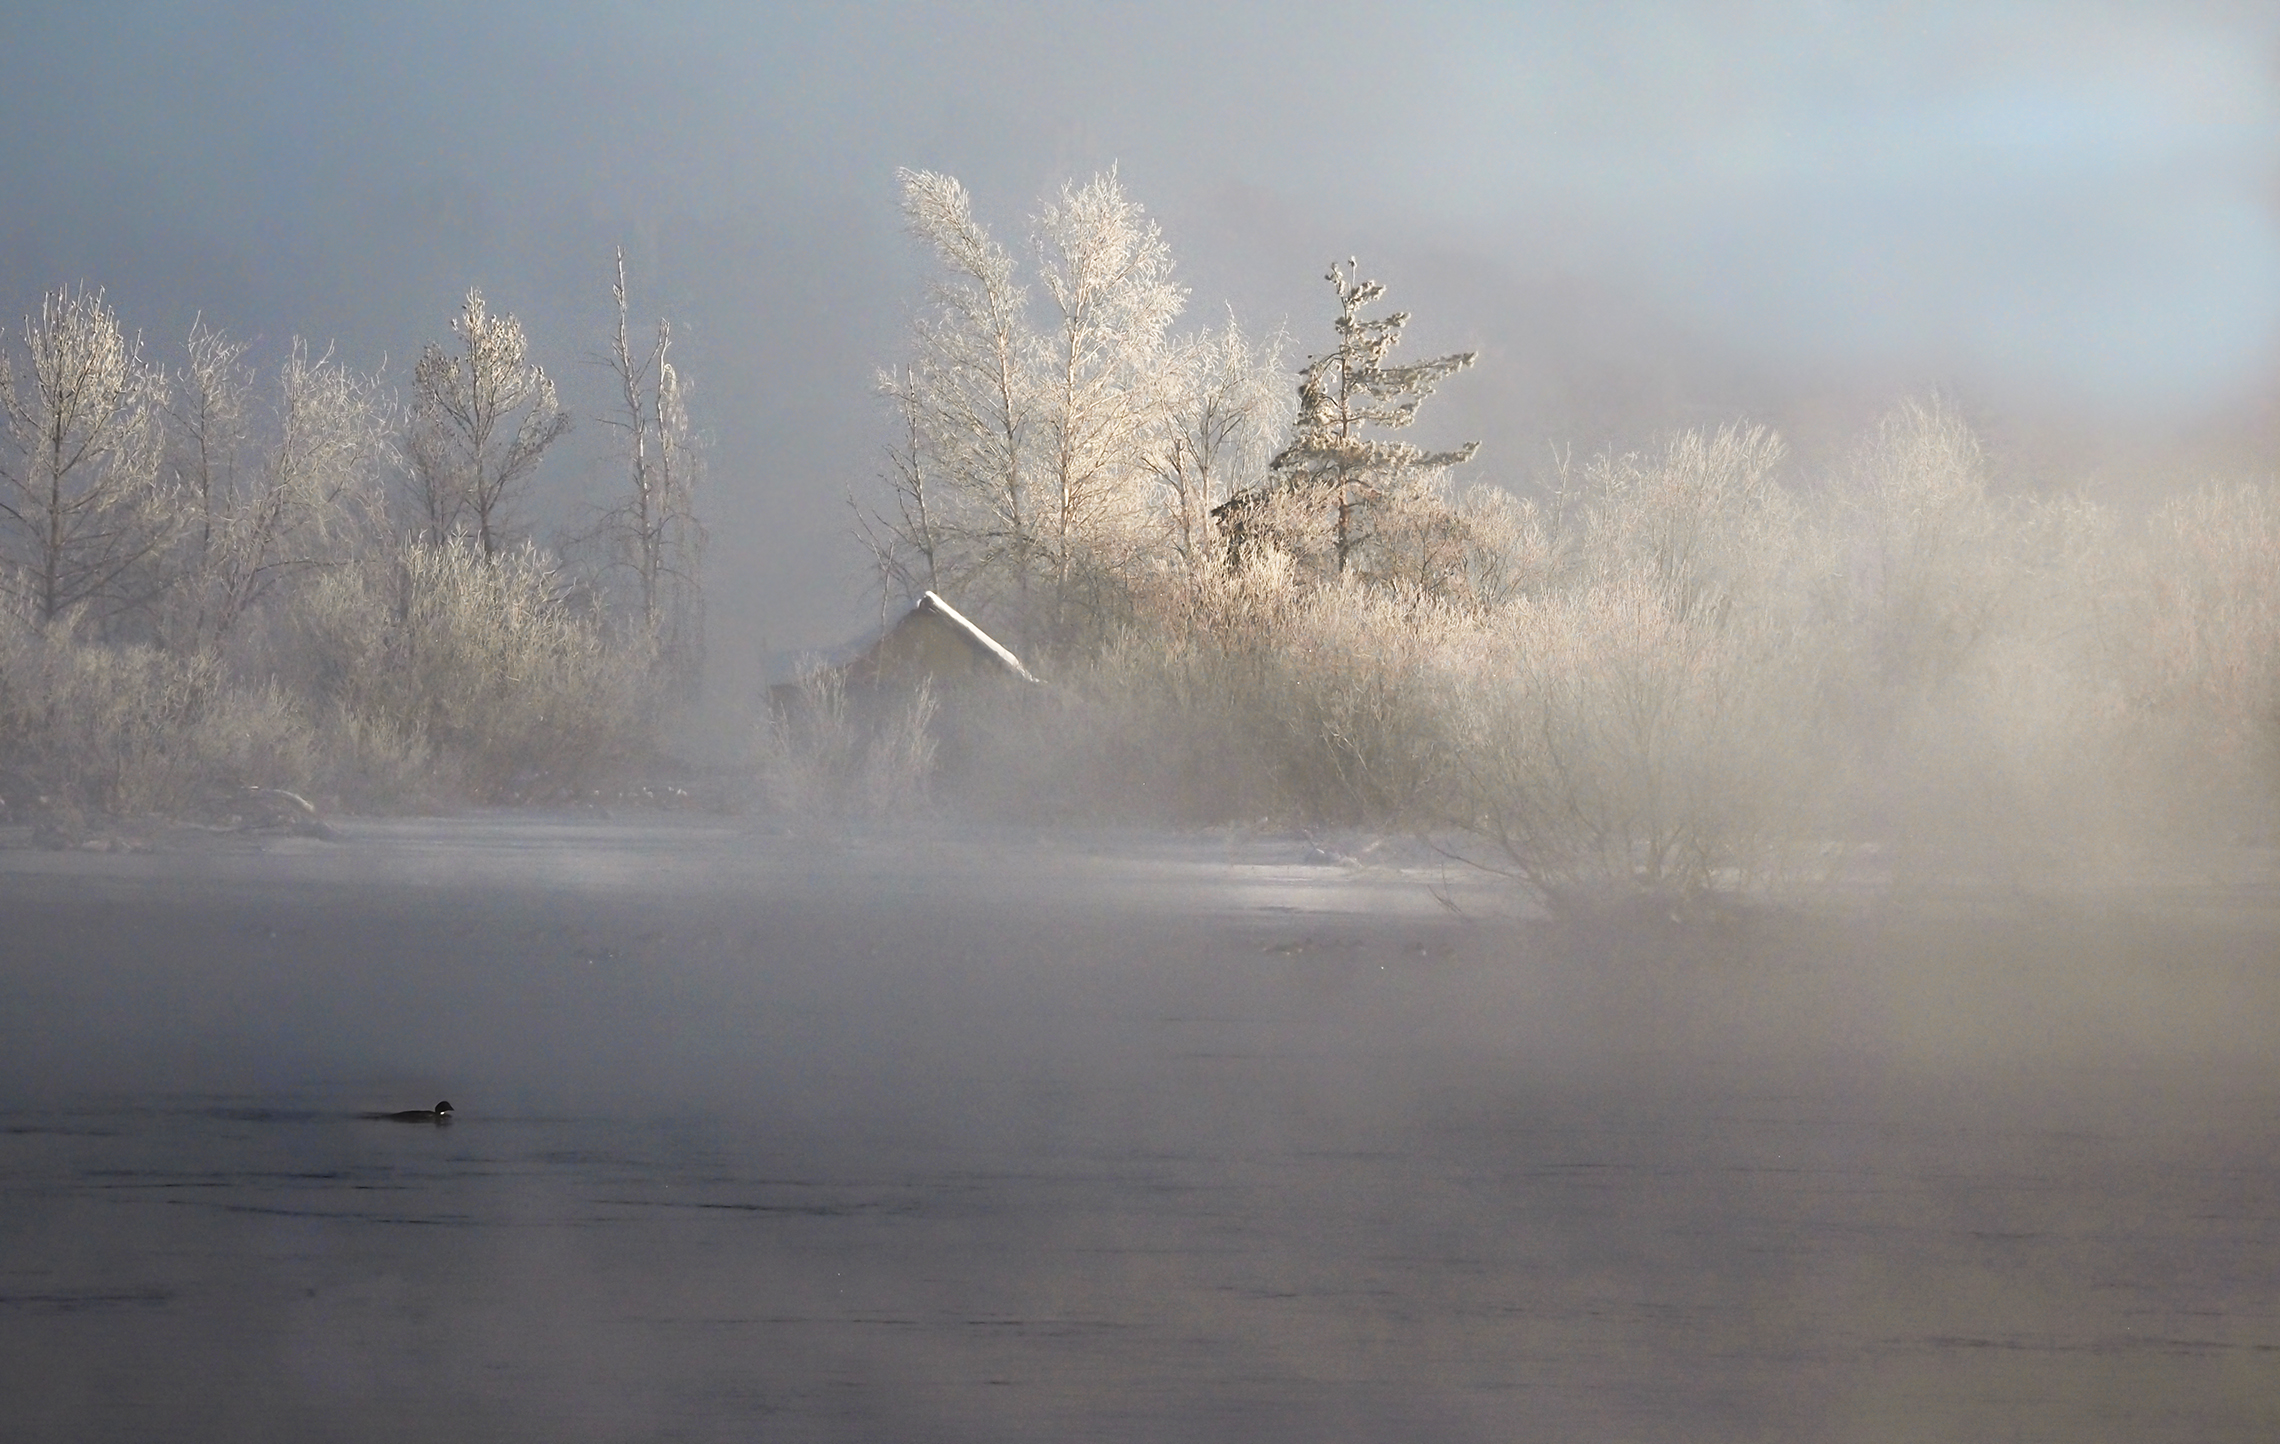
<point x="801" y="1164"/>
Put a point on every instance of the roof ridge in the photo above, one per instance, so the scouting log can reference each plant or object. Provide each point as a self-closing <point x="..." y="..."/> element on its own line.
<point x="949" y="613"/>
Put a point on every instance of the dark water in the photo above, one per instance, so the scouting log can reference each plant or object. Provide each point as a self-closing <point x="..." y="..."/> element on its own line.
<point x="860" y="1153"/>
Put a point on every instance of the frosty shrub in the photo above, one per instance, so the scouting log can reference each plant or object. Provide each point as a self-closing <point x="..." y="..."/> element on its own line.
<point x="1930" y="559"/>
<point x="205" y="593"/>
<point x="1264" y="691"/>
<point x="1240" y="695"/>
<point x="125" y="730"/>
<point x="2189" y="625"/>
<point x="1508" y="547"/>
<point x="1349" y="714"/>
<point x="825" y="760"/>
<point x="1609" y="741"/>
<point x="1639" y="718"/>
<point x="1702" y="521"/>
<point x="1685" y="677"/>
<point x="1166" y="722"/>
<point x="379" y="763"/>
<point x="1964" y="674"/>
<point x="487" y="662"/>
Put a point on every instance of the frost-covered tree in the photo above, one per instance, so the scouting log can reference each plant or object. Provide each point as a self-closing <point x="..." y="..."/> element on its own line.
<point x="259" y="510"/>
<point x="654" y="533"/>
<point x="1229" y="406"/>
<point x="1027" y="477"/>
<point x="1109" y="382"/>
<point x="207" y="440"/>
<point x="482" y="418"/>
<point x="963" y="512"/>
<point x="1331" y="467"/>
<point x="84" y="505"/>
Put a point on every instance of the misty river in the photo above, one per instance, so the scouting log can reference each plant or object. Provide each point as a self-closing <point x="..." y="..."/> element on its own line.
<point x="1142" y="1137"/>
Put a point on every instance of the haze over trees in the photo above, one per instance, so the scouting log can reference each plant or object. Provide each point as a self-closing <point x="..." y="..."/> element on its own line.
<point x="1050" y="457"/>
<point x="1685" y="671"/>
<point x="1689" y="670"/>
<point x="223" y="588"/>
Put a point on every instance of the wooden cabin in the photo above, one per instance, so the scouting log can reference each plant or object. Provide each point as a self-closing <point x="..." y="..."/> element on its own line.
<point x="932" y="642"/>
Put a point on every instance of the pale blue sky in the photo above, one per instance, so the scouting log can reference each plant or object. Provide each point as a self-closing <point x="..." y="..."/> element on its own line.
<point x="1642" y="214"/>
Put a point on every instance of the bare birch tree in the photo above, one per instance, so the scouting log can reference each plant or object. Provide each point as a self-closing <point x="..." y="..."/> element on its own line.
<point x="1041" y="468"/>
<point x="1108" y="387"/>
<point x="963" y="513"/>
<point x="83" y="500"/>
<point x="259" y="510"/>
<point x="482" y="419"/>
<point x="905" y="542"/>
<point x="654" y="531"/>
<point x="1230" y="406"/>
<point x="206" y="442"/>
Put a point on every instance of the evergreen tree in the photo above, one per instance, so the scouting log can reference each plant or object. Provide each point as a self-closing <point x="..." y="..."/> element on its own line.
<point x="1330" y="467"/>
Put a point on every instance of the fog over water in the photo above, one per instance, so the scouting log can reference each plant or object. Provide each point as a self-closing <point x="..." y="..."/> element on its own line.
<point x="1000" y="1137"/>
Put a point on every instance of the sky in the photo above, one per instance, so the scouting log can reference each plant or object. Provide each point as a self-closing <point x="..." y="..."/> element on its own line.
<point x="2066" y="216"/>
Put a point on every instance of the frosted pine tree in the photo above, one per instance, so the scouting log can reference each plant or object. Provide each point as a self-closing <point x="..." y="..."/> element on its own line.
<point x="1331" y="470"/>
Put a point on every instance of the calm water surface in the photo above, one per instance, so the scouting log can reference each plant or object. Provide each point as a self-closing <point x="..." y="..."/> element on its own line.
<point x="876" y="1157"/>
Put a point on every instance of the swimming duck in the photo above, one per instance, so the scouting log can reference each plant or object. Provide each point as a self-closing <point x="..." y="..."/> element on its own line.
<point x="441" y="1113"/>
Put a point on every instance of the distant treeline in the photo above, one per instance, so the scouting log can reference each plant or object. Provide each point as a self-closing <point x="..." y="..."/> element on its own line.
<point x="1691" y="670"/>
<point x="1677" y="673"/>
<point x="216" y="584"/>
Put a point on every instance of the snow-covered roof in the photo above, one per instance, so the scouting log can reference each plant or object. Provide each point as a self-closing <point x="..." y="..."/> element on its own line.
<point x="933" y="603"/>
<point x="865" y="650"/>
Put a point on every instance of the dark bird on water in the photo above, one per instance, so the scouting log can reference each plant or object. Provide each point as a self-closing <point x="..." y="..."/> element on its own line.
<point x="441" y="1113"/>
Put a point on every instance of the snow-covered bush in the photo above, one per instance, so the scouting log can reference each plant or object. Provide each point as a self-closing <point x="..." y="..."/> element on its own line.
<point x="91" y="727"/>
<point x="1692" y="672"/>
<point x="1644" y="717"/>
<point x="487" y="662"/>
<point x="823" y="759"/>
<point x="2187" y="627"/>
<point x="1605" y="738"/>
